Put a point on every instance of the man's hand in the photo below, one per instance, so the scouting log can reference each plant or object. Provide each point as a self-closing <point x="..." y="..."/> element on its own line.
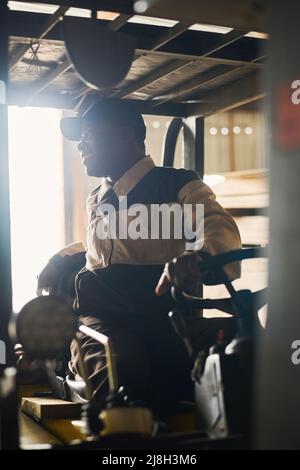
<point x="183" y="272"/>
<point x="47" y="279"/>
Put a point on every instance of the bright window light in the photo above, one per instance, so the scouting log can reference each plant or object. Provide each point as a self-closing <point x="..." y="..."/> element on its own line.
<point x="248" y="130"/>
<point x="33" y="7"/>
<point x="213" y="180"/>
<point x="236" y="130"/>
<point x="213" y="131"/>
<point x="152" y="21"/>
<point x="80" y="12"/>
<point x="225" y="131"/>
<point x="209" y="28"/>
<point x="142" y="7"/>
<point x="47" y="9"/>
<point x="36" y="195"/>
<point x="257" y="35"/>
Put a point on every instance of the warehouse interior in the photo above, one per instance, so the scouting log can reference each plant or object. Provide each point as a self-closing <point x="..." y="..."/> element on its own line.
<point x="215" y="83"/>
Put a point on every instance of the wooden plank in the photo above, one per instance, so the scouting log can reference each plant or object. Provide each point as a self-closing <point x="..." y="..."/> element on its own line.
<point x="32" y="434"/>
<point x="66" y="430"/>
<point x="50" y="408"/>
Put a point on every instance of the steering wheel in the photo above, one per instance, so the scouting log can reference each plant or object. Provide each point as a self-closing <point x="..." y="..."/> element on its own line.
<point x="235" y="304"/>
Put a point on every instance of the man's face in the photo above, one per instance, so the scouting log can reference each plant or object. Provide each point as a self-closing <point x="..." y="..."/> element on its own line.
<point x="102" y="147"/>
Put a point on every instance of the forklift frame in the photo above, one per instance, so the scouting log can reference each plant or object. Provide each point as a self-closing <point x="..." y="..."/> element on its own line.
<point x="199" y="73"/>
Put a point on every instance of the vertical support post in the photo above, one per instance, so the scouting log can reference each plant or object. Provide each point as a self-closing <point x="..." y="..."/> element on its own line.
<point x="68" y="156"/>
<point x="170" y="142"/>
<point x="5" y="260"/>
<point x="278" y="391"/>
<point x="8" y="406"/>
<point x="193" y="151"/>
<point x="193" y="154"/>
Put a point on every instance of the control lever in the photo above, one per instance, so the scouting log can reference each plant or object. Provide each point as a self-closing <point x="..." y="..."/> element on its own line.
<point x="181" y="329"/>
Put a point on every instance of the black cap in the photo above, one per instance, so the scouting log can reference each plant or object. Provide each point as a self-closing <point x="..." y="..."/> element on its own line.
<point x="119" y="112"/>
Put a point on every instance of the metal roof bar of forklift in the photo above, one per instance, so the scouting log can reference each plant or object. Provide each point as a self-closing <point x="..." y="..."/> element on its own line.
<point x="170" y="109"/>
<point x="226" y="40"/>
<point x="231" y="95"/>
<point x="52" y="21"/>
<point x="171" y="34"/>
<point x="151" y="77"/>
<point x="161" y="72"/>
<point x="202" y="80"/>
<point x="53" y="100"/>
<point x="193" y="57"/>
<point x="119" y="22"/>
<point x="183" y="57"/>
<point x="210" y="79"/>
<point x="211" y="75"/>
<point x="143" y="45"/>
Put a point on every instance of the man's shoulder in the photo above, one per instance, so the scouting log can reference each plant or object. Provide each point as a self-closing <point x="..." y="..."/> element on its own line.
<point x="161" y="184"/>
<point x="174" y="176"/>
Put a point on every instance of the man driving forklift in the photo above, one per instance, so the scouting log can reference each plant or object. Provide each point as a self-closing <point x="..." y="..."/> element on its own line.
<point x="122" y="286"/>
